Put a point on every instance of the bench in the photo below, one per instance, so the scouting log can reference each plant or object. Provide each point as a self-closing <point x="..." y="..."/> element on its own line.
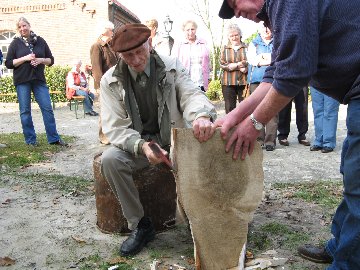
<point x="77" y="100"/>
<point x="50" y="92"/>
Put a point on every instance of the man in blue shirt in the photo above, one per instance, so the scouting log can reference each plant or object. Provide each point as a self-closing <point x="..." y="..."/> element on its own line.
<point x="315" y="42"/>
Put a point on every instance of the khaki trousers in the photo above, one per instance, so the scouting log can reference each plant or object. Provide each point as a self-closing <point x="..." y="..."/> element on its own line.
<point x="117" y="166"/>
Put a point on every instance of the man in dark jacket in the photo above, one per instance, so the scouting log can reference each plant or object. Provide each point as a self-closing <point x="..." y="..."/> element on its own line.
<point x="315" y="42"/>
<point x="102" y="58"/>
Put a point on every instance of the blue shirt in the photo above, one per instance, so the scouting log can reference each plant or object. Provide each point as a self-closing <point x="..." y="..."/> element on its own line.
<point x="315" y="41"/>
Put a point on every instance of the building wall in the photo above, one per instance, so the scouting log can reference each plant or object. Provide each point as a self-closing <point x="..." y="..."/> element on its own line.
<point x="68" y="26"/>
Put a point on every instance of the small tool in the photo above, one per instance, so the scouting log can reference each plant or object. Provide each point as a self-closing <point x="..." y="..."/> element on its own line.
<point x="156" y="149"/>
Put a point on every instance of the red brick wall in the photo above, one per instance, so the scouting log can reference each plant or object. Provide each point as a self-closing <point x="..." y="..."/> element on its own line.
<point x="68" y="28"/>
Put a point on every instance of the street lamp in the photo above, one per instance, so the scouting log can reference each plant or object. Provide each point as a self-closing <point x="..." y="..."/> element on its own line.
<point x="168" y="25"/>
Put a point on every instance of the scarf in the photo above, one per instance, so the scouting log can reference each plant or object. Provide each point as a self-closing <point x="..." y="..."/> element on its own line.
<point x="30" y="41"/>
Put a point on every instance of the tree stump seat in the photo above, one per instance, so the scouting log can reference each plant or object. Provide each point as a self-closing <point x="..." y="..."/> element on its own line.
<point x="157" y="191"/>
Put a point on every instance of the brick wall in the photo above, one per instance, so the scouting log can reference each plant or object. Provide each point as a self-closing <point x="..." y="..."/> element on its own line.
<point x="68" y="26"/>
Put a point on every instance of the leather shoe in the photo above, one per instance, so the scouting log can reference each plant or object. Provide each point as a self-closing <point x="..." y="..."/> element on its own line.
<point x="315" y="148"/>
<point x="270" y="147"/>
<point x="60" y="143"/>
<point x="304" y="142"/>
<point x="284" y="142"/>
<point x="138" y="238"/>
<point x="327" y="149"/>
<point x="315" y="254"/>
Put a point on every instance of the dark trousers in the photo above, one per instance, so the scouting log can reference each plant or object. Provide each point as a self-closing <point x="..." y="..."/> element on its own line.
<point x="232" y="93"/>
<point x="301" y="107"/>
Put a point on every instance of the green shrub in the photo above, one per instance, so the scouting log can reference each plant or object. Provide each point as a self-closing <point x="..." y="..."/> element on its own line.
<point x="55" y="79"/>
<point x="214" y="90"/>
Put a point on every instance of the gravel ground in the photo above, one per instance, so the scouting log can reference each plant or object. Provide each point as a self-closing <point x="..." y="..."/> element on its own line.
<point x="41" y="228"/>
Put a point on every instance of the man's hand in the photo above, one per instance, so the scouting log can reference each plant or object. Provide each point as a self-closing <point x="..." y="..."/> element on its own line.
<point x="151" y="156"/>
<point x="242" y="139"/>
<point x="226" y="123"/>
<point x="202" y="129"/>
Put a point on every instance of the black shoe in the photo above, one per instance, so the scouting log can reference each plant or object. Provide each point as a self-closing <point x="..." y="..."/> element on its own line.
<point x="315" y="148"/>
<point x="304" y="142"/>
<point x="270" y="147"/>
<point x="284" y="142"/>
<point x="138" y="238"/>
<point x="92" y="113"/>
<point x="327" y="149"/>
<point x="60" y="143"/>
<point x="315" y="254"/>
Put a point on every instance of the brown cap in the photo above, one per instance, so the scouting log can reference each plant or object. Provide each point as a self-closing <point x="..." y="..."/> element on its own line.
<point x="226" y="12"/>
<point x="130" y="36"/>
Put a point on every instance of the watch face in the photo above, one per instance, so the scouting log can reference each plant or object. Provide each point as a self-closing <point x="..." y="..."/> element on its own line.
<point x="258" y="126"/>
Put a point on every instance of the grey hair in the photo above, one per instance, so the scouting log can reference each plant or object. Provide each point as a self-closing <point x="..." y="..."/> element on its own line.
<point x="187" y="22"/>
<point x="234" y="27"/>
<point x="103" y="26"/>
<point x="21" y="19"/>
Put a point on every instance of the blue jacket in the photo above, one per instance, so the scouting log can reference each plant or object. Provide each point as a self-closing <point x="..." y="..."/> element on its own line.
<point x="255" y="74"/>
<point x="315" y="41"/>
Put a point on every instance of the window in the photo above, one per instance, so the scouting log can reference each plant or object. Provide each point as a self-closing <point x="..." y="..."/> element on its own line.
<point x="5" y="40"/>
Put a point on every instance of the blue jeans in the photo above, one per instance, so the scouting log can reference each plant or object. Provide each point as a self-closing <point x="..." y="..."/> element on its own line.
<point x="325" y="118"/>
<point x="88" y="101"/>
<point x="345" y="246"/>
<point x="42" y="97"/>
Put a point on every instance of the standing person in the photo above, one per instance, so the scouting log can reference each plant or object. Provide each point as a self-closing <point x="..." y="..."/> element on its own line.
<point x="27" y="55"/>
<point x="194" y="55"/>
<point x="157" y="41"/>
<point x="325" y="111"/>
<point x="102" y="58"/>
<point x="234" y="65"/>
<point x="328" y="56"/>
<point x="301" y="101"/>
<point x="143" y="97"/>
<point x="259" y="56"/>
<point x="77" y="85"/>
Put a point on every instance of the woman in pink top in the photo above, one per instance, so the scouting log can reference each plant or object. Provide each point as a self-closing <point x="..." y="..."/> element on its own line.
<point x="194" y="55"/>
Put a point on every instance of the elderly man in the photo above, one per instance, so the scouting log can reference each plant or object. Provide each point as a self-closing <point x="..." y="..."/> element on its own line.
<point x="142" y="98"/>
<point x="316" y="42"/>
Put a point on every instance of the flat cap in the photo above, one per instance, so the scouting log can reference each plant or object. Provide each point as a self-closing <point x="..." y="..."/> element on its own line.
<point x="130" y="36"/>
<point x="226" y="12"/>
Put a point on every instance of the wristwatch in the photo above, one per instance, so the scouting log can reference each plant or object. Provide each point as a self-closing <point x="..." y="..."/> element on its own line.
<point x="257" y="125"/>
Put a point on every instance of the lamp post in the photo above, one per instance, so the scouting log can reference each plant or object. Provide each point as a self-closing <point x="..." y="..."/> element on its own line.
<point x="168" y="27"/>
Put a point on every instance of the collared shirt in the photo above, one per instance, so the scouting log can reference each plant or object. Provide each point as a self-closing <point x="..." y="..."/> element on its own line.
<point x="318" y="41"/>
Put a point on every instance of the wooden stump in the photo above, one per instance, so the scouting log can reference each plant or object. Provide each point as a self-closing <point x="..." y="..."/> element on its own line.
<point x="157" y="191"/>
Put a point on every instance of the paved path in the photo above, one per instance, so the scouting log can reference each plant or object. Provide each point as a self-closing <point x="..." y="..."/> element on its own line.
<point x="292" y="163"/>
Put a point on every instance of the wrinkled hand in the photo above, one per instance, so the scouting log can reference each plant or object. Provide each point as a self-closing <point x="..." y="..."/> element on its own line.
<point x="202" y="129"/>
<point x="242" y="139"/>
<point x="226" y="123"/>
<point x="232" y="66"/>
<point x="151" y="156"/>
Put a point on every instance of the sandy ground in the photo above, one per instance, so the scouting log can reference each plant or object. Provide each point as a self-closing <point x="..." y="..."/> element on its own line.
<point x="42" y="228"/>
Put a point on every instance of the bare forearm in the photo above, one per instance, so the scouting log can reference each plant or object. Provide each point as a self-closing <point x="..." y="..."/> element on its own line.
<point x="272" y="104"/>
